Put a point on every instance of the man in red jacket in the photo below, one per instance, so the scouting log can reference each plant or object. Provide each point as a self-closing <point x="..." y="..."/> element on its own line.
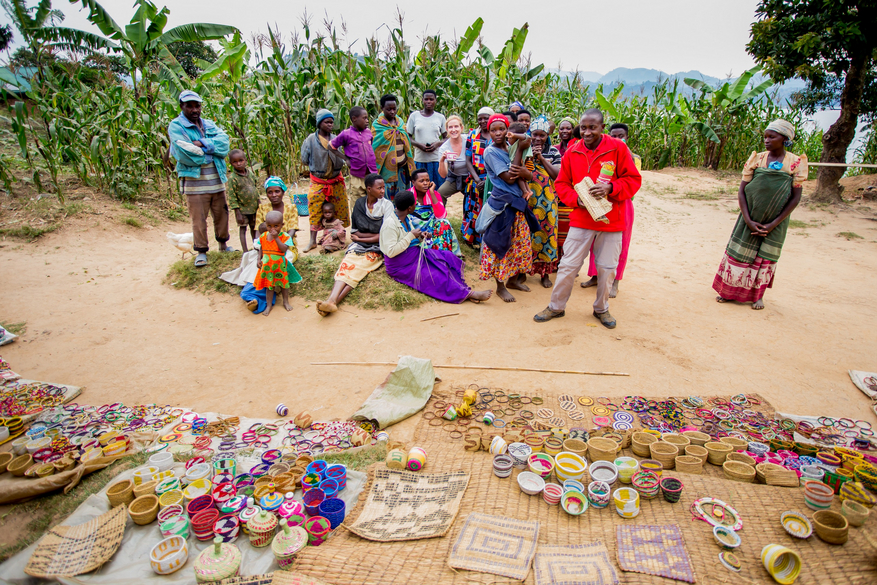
<point x="607" y="161"/>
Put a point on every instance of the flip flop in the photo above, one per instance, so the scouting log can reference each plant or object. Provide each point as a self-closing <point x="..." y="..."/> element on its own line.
<point x="228" y="249"/>
<point x="201" y="260"/>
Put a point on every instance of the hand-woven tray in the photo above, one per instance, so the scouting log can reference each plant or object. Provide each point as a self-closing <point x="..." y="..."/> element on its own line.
<point x="67" y="551"/>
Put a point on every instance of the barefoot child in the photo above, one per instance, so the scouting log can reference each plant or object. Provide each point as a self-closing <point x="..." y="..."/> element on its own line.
<point x="243" y="197"/>
<point x="275" y="271"/>
<point x="334" y="235"/>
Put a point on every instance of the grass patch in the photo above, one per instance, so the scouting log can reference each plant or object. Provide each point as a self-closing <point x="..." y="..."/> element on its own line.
<point x="377" y="291"/>
<point x="14" y="328"/>
<point x="850" y="236"/>
<point x="358" y="460"/>
<point x="49" y="510"/>
<point x="133" y="222"/>
<point x="798" y="224"/>
<point x="175" y="214"/>
<point x="28" y="232"/>
<point x="701" y="196"/>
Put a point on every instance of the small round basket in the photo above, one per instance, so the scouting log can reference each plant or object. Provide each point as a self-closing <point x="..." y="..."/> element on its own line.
<point x="147" y="487"/>
<point x="121" y="492"/>
<point x="831" y="527"/>
<point x="653" y="466"/>
<point x="664" y="453"/>
<point x="20" y="464"/>
<point x="640" y="442"/>
<point x="671" y="488"/>
<point x="144" y="510"/>
<point x="737" y="471"/>
<point x="736" y="443"/>
<point x="5" y="458"/>
<point x="741" y="457"/>
<point x="602" y="449"/>
<point x="681" y="441"/>
<point x="717" y="452"/>
<point x="169" y="498"/>
<point x="856" y="513"/>
<point x="647" y="484"/>
<point x="697" y="437"/>
<point x="698" y="451"/>
<point x="576" y="446"/>
<point x="796" y="524"/>
<point x="689" y="464"/>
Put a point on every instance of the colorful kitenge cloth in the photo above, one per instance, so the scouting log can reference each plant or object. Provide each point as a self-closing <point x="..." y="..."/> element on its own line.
<point x="476" y="143"/>
<point x="392" y="147"/>
<point x="242" y="193"/>
<point x="748" y="266"/>
<point x="354" y="267"/>
<point x="290" y="218"/>
<point x="441" y="233"/>
<point x="276" y="271"/>
<point x="544" y="205"/>
<point x="331" y="190"/>
<point x="518" y="259"/>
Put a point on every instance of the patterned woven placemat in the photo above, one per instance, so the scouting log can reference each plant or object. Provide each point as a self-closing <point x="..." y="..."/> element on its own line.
<point x="492" y="544"/>
<point x="577" y="564"/>
<point x="407" y="506"/>
<point x="263" y="579"/>
<point x="67" y="551"/>
<point x="654" y="550"/>
<point x="295" y="578"/>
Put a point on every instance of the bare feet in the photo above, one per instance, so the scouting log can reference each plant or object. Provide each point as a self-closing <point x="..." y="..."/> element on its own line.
<point x="590" y="283"/>
<point x="327" y="306"/>
<point x="515" y="283"/>
<point x="310" y="247"/>
<point x="481" y="295"/>
<point x="253" y="305"/>
<point x="503" y="293"/>
<point x="721" y="300"/>
<point x="613" y="290"/>
<point x="287" y="306"/>
<point x="267" y="310"/>
<point x="546" y="282"/>
<point x="758" y="305"/>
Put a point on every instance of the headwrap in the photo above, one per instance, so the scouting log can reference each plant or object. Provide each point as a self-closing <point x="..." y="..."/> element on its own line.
<point x="568" y="119"/>
<point x="275" y="182"/>
<point x="322" y="114"/>
<point x="497" y="118"/>
<point x="486" y="110"/>
<point x="516" y="103"/>
<point x="540" y="123"/>
<point x="780" y="126"/>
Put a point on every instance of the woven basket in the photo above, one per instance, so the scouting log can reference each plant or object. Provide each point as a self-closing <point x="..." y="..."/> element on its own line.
<point x="602" y="449"/>
<point x="806" y="449"/>
<point x="717" y="452"/>
<point x="20" y="464"/>
<point x="689" y="464"/>
<point x="664" y="453"/>
<point x="697" y="437"/>
<point x="831" y="527"/>
<point x="145" y="488"/>
<point x="737" y="444"/>
<point x="761" y="468"/>
<point x="855" y="512"/>
<point x="698" y="451"/>
<point x="640" y="443"/>
<point x="121" y="492"/>
<point x="680" y="441"/>
<point x="737" y="471"/>
<point x="144" y="509"/>
<point x="779" y="444"/>
<point x="741" y="457"/>
<point x="576" y="446"/>
<point x="781" y="477"/>
<point x="5" y="458"/>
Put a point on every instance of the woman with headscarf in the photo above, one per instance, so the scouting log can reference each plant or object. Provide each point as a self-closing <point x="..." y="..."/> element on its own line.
<point x="545" y="165"/>
<point x="565" y="134"/>
<point x="327" y="182"/>
<point x="392" y="146"/>
<point x="769" y="192"/>
<point x="476" y="143"/>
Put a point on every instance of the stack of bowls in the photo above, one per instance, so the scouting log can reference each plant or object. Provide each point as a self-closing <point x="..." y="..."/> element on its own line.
<point x="817" y="495"/>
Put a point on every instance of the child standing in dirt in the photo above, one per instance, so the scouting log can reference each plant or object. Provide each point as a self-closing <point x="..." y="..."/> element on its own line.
<point x="275" y="271"/>
<point x="334" y="235"/>
<point x="243" y="196"/>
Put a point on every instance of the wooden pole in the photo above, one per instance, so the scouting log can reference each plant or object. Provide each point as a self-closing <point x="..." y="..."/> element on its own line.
<point x="854" y="165"/>
<point x="439" y="317"/>
<point x="503" y="368"/>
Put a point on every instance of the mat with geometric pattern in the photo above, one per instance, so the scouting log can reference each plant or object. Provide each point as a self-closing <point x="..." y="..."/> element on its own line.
<point x="577" y="564"/>
<point x="496" y="545"/>
<point x="654" y="550"/>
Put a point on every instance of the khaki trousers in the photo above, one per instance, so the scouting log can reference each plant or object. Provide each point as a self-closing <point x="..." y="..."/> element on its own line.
<point x="355" y="190"/>
<point x="200" y="206"/>
<point x="607" y="248"/>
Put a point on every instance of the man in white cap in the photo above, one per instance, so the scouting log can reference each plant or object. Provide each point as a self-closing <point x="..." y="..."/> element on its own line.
<point x="200" y="148"/>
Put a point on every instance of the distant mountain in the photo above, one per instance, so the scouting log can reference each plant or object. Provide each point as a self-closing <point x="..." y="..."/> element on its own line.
<point x="585" y="76"/>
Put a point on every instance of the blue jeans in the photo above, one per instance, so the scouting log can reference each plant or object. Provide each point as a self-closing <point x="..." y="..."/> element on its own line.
<point x="432" y="169"/>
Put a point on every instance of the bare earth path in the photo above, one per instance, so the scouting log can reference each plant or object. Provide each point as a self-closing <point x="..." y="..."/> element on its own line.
<point x="99" y="316"/>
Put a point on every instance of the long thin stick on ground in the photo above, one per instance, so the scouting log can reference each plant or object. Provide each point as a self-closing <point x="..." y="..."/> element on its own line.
<point x="453" y="367"/>
<point x="439" y="317"/>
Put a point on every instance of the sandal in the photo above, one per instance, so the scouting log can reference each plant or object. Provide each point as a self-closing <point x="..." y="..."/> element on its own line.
<point x="227" y="249"/>
<point x="201" y="260"/>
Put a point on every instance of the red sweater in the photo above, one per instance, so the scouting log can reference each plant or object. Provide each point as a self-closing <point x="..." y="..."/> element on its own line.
<point x="579" y="162"/>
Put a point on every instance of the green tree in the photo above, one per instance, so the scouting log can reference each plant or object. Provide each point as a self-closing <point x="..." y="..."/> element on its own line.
<point x="188" y="54"/>
<point x="5" y="37"/>
<point x="822" y="42"/>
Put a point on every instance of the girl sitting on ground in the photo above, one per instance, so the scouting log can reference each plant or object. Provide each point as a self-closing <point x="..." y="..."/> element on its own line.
<point x="276" y="273"/>
<point x="430" y="214"/>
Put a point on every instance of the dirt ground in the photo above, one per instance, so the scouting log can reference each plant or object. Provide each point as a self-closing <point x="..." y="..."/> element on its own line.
<point x="98" y="315"/>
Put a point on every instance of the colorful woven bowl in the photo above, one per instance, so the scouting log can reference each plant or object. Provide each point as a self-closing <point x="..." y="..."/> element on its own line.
<point x="569" y="466"/>
<point x="855" y="491"/>
<point x="574" y="503"/>
<point x="726" y="538"/>
<point x="604" y="471"/>
<point x="627" y="502"/>
<point x="817" y="495"/>
<point x="541" y="464"/>
<point x="552" y="493"/>
<point x="530" y="483"/>
<point x="783" y="564"/>
<point x="169" y="555"/>
<point x="626" y="466"/>
<point x="796" y="524"/>
<point x="599" y="494"/>
<point x="671" y="488"/>
<point x="647" y="484"/>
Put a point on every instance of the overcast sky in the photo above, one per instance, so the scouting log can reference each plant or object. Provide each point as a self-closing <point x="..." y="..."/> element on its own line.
<point x="669" y="35"/>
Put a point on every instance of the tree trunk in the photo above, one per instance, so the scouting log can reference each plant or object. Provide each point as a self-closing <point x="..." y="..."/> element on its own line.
<point x="837" y="140"/>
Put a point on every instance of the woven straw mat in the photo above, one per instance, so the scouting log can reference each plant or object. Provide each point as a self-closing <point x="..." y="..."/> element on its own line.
<point x="654" y="550"/>
<point x="492" y="544"/>
<point x="348" y="559"/>
<point x="67" y="551"/>
<point x="264" y="579"/>
<point x="574" y="564"/>
<point x="407" y="506"/>
<point x="295" y="578"/>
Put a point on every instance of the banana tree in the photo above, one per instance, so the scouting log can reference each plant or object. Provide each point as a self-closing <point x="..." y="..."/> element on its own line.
<point x="718" y="109"/>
